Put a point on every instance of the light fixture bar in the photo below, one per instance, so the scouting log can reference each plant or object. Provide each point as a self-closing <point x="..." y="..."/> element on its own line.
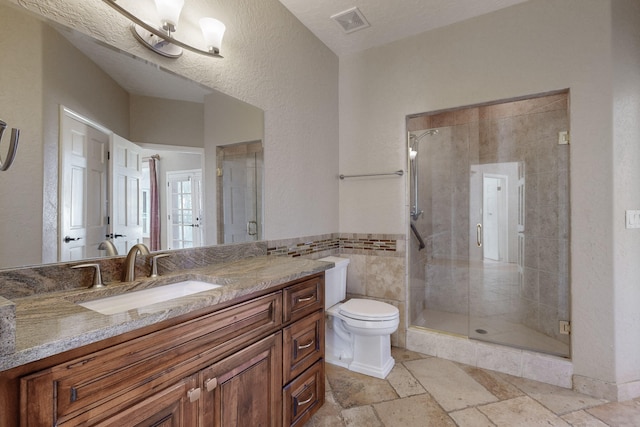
<point x="159" y="33"/>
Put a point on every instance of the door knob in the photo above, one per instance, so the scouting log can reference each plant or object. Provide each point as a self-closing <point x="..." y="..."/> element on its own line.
<point x="114" y="236"/>
<point x="68" y="239"/>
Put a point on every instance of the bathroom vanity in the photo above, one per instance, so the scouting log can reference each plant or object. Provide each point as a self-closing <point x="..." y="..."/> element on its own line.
<point x="250" y="352"/>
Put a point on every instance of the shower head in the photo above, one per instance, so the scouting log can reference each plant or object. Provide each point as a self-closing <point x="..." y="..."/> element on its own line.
<point x="413" y="141"/>
<point x="417" y="139"/>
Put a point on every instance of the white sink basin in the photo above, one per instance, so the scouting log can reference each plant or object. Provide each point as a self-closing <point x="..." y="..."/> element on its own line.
<point x="138" y="299"/>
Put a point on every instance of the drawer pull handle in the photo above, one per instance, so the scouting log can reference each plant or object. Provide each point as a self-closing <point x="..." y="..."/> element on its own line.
<point x="302" y="347"/>
<point x="211" y="384"/>
<point x="304" y="402"/>
<point x="194" y="394"/>
<point x="309" y="298"/>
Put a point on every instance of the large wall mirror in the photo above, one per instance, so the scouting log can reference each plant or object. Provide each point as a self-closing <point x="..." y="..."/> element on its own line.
<point x="108" y="141"/>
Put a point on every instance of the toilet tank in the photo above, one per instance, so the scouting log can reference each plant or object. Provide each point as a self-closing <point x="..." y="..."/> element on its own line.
<point x="335" y="281"/>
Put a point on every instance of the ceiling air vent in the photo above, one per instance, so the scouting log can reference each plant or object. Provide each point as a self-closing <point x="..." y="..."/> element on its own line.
<point x="351" y="20"/>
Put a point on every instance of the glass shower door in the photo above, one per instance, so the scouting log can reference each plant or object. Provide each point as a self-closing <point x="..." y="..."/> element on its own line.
<point x="493" y="188"/>
<point x="519" y="203"/>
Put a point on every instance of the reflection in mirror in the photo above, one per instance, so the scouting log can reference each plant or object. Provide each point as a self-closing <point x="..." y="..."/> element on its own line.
<point x="239" y="192"/>
<point x="100" y="120"/>
<point x="497" y="207"/>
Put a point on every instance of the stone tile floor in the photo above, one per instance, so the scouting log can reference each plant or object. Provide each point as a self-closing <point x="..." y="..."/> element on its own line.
<point x="426" y="391"/>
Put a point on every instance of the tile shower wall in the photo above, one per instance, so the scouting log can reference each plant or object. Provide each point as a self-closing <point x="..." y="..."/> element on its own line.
<point x="376" y="269"/>
<point x="522" y="131"/>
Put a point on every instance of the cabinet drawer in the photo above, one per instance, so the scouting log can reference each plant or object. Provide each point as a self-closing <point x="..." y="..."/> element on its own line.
<point x="143" y="365"/>
<point x="304" y="396"/>
<point x="303" y="298"/>
<point x="302" y="345"/>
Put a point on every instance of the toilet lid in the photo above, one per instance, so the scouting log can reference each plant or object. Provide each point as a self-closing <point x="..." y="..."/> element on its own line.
<point x="366" y="309"/>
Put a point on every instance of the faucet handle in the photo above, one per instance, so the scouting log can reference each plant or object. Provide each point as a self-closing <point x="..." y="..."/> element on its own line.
<point x="154" y="264"/>
<point x="97" y="277"/>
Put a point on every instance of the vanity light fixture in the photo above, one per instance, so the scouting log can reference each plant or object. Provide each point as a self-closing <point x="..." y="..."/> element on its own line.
<point x="161" y="37"/>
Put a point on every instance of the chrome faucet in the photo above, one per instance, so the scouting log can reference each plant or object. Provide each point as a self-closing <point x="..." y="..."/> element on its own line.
<point x="129" y="266"/>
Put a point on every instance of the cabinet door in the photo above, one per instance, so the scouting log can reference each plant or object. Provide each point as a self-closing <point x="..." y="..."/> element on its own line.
<point x="175" y="406"/>
<point x="245" y="389"/>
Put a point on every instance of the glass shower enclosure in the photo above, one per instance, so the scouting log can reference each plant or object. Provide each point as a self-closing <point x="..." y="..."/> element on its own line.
<point x="489" y="198"/>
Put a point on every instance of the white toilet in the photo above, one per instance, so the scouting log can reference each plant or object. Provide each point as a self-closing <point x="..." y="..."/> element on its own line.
<point x="357" y="333"/>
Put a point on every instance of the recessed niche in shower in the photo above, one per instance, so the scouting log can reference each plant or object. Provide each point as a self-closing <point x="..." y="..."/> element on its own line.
<point x="493" y="187"/>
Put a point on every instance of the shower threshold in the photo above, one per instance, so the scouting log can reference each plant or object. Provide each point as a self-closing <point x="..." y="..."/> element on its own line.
<point x="491" y="329"/>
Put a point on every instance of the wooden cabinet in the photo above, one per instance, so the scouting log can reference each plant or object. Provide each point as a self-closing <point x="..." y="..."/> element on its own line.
<point x="231" y="367"/>
<point x="245" y="389"/>
<point x="303" y="351"/>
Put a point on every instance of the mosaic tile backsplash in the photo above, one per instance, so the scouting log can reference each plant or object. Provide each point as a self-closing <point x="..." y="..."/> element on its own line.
<point x="327" y="244"/>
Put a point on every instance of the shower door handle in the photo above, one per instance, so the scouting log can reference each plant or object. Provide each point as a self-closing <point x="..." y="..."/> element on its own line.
<point x="479" y="235"/>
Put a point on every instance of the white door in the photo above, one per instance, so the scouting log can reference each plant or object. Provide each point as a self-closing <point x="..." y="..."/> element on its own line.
<point x="184" y="206"/>
<point x="494" y="217"/>
<point x="83" y="188"/>
<point x="125" y="193"/>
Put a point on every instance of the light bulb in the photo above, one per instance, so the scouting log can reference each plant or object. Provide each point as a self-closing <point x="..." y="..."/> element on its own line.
<point x="212" y="30"/>
<point x="169" y="13"/>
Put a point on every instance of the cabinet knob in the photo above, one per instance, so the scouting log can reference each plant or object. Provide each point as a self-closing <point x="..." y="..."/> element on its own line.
<point x="211" y="384"/>
<point x="194" y="394"/>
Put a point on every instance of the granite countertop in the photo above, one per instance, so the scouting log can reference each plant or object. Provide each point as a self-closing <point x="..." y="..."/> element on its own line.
<point x="51" y="323"/>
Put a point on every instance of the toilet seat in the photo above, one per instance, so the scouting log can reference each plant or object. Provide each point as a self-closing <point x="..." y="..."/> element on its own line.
<point x="370" y="325"/>
<point x="368" y="310"/>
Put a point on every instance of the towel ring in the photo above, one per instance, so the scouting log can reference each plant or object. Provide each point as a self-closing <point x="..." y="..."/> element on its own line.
<point x="13" y="146"/>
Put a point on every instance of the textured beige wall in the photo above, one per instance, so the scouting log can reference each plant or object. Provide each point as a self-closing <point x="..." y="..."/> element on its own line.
<point x="165" y="121"/>
<point x="626" y="173"/>
<point x="535" y="47"/>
